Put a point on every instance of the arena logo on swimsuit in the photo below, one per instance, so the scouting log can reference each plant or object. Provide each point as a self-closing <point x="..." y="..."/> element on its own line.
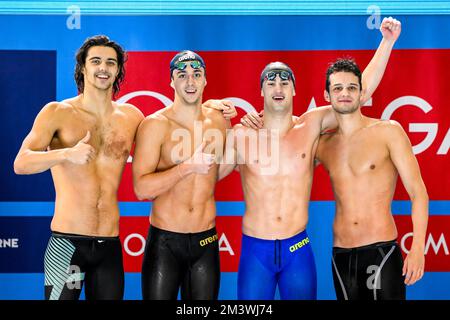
<point x="299" y="244"/>
<point x="133" y="231"/>
<point x="208" y="240"/>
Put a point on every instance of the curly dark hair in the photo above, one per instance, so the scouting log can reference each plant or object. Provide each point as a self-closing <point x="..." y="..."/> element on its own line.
<point x="104" y="41"/>
<point x="343" y="65"/>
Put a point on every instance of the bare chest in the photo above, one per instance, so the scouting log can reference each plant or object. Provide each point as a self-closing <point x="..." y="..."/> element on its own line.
<point x="111" y="138"/>
<point x="288" y="155"/>
<point x="181" y="142"/>
<point x="356" y="157"/>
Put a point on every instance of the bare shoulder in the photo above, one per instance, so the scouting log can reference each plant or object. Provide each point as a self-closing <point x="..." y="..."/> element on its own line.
<point x="58" y="109"/>
<point x="52" y="107"/>
<point x="214" y="115"/>
<point x="130" y="110"/>
<point x="389" y="132"/>
<point x="392" y="125"/>
<point x="70" y="104"/>
<point x="157" y="121"/>
<point x="316" y="113"/>
<point x="54" y="115"/>
<point x="388" y="127"/>
<point x="241" y="130"/>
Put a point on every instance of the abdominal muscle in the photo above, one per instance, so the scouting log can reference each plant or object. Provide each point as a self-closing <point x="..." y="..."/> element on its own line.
<point x="188" y="207"/>
<point x="356" y="226"/>
<point x="276" y="206"/>
<point x="86" y="199"/>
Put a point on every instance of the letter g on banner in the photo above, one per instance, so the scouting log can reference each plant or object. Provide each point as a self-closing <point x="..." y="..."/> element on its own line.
<point x="430" y="128"/>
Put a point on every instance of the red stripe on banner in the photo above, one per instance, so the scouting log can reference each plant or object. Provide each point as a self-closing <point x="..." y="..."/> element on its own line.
<point x="437" y="254"/>
<point x="414" y="88"/>
<point x="133" y="232"/>
<point x="230" y="237"/>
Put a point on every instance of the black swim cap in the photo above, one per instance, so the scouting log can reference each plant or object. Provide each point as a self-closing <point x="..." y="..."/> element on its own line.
<point x="185" y="55"/>
<point x="276" y="66"/>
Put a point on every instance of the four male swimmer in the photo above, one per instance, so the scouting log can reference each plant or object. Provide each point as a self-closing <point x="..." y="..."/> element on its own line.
<point x="86" y="140"/>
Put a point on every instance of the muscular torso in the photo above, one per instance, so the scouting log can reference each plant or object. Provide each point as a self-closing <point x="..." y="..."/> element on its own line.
<point x="363" y="178"/>
<point x="277" y="188"/>
<point x="188" y="206"/>
<point x="86" y="195"/>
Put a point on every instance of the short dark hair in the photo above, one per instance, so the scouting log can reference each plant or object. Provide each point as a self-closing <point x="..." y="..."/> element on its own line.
<point x="343" y="65"/>
<point x="103" y="41"/>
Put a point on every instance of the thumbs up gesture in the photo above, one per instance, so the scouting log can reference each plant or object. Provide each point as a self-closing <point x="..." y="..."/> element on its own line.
<point x="82" y="152"/>
<point x="200" y="162"/>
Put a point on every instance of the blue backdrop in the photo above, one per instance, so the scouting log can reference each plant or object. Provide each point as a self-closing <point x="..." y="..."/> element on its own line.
<point x="30" y="79"/>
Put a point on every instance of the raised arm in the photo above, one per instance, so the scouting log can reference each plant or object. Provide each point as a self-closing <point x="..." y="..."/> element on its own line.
<point x="33" y="156"/>
<point x="371" y="78"/>
<point x="406" y="163"/>
<point x="390" y="29"/>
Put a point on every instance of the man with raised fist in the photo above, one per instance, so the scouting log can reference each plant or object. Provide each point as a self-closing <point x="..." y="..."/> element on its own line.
<point x="364" y="158"/>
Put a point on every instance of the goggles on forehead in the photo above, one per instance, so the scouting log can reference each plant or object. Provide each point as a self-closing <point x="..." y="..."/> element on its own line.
<point x="181" y="65"/>
<point x="284" y="75"/>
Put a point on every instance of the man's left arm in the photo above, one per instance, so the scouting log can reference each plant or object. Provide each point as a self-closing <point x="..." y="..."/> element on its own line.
<point x="406" y="163"/>
<point x="390" y="29"/>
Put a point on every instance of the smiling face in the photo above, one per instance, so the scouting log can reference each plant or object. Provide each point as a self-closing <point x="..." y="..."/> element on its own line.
<point x="100" y="68"/>
<point x="344" y="92"/>
<point x="278" y="94"/>
<point x="189" y="84"/>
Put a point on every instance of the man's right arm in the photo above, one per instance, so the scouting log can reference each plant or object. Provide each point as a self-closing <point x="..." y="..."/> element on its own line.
<point x="149" y="138"/>
<point x="148" y="184"/>
<point x="33" y="157"/>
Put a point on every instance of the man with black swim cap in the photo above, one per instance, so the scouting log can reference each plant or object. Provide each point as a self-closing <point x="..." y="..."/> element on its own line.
<point x="277" y="68"/>
<point x="276" y="249"/>
<point x="174" y="165"/>
<point x="179" y="61"/>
